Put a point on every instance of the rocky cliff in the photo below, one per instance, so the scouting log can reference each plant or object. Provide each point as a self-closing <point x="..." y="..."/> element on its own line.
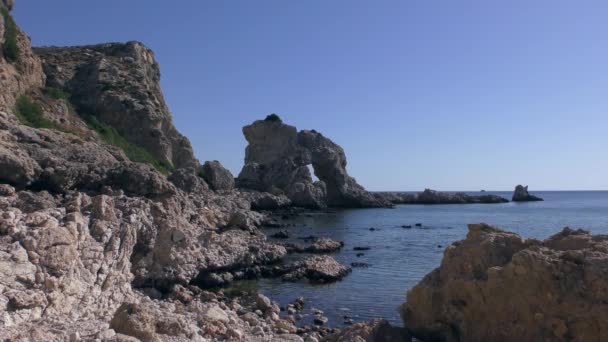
<point x="118" y="84"/>
<point x="277" y="159"/>
<point x="96" y="241"/>
<point x="496" y="286"/>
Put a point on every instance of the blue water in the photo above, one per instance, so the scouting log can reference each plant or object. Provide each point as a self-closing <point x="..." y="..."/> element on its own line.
<point x="399" y="257"/>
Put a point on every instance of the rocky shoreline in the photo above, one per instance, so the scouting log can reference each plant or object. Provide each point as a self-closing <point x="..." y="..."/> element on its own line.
<point x="112" y="230"/>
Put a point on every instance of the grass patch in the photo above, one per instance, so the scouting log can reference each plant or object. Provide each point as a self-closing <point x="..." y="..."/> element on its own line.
<point x="10" y="49"/>
<point x="57" y="93"/>
<point x="30" y="113"/>
<point x="135" y="153"/>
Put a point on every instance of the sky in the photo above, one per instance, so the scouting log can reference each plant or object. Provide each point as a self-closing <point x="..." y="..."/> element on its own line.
<point x="449" y="95"/>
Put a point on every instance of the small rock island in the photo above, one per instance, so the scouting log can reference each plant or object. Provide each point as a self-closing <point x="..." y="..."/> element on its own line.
<point x="521" y="195"/>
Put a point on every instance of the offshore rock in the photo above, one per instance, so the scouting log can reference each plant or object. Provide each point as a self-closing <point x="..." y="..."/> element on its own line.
<point x="520" y="194"/>
<point x="378" y="330"/>
<point x="277" y="159"/>
<point x="495" y="286"/>
<point x="429" y="196"/>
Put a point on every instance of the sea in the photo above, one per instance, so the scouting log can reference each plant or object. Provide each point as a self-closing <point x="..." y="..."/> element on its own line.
<point x="399" y="258"/>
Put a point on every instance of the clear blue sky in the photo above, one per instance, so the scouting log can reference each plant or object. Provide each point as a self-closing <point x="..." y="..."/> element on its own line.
<point x="452" y="95"/>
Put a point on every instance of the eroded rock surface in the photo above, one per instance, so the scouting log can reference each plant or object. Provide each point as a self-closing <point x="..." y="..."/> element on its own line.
<point x="520" y="194"/>
<point x="496" y="286"/>
<point x="277" y="159"/>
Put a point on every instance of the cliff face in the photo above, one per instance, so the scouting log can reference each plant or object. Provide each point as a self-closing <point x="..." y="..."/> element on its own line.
<point x="20" y="68"/>
<point x="118" y="84"/>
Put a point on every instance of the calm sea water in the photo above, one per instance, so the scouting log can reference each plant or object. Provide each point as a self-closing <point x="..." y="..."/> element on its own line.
<point x="399" y="258"/>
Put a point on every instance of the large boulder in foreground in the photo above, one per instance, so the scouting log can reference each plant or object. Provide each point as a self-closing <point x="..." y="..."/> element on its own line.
<point x="521" y="195"/>
<point x="496" y="286"/>
<point x="277" y="160"/>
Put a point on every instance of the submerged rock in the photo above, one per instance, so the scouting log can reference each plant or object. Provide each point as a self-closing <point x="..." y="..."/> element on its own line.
<point x="520" y="194"/>
<point x="496" y="286"/>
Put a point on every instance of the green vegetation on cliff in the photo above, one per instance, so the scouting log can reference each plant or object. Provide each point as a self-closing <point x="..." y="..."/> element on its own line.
<point x="10" y="49"/>
<point x="30" y="113"/>
<point x="273" y="118"/>
<point x="135" y="153"/>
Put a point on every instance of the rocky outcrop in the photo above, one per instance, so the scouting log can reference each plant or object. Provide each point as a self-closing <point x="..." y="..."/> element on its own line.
<point x="277" y="159"/>
<point x="520" y="194"/>
<point x="118" y="85"/>
<point x="429" y="196"/>
<point x="20" y="69"/>
<point x="317" y="269"/>
<point x="496" y="286"/>
<point x="218" y="177"/>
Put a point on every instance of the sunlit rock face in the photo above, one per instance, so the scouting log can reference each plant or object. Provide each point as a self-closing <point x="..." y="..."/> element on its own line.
<point x="496" y="286"/>
<point x="277" y="159"/>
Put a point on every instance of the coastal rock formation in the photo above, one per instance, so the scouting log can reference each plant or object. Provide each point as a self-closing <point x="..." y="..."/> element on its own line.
<point x="277" y="159"/>
<point x="429" y="196"/>
<point x="521" y="195"/>
<point x="218" y="177"/>
<point x="118" y="85"/>
<point x="496" y="286"/>
<point x="95" y="245"/>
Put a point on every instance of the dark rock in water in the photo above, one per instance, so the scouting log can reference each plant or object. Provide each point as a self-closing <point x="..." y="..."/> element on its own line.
<point x="521" y="195"/>
<point x="429" y="196"/>
<point x="406" y="226"/>
<point x="359" y="264"/>
<point x="360" y="255"/>
<point x="317" y="269"/>
<point x="372" y="229"/>
<point x="496" y="286"/>
<point x="418" y="224"/>
<point x="439" y="246"/>
<point x="277" y="159"/>
<point x="320" y="320"/>
<point x="283" y="234"/>
<point x="361" y="248"/>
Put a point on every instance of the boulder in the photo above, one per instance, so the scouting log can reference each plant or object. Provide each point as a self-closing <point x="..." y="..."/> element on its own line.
<point x="317" y="269"/>
<point x="520" y="194"/>
<point x="188" y="180"/>
<point x="218" y="177"/>
<point x="496" y="286"/>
